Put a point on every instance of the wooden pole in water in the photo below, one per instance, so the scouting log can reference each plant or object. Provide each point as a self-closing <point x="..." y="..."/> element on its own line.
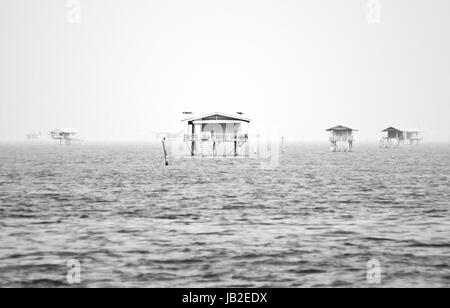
<point x="282" y="145"/>
<point x="165" y="152"/>
<point x="257" y="145"/>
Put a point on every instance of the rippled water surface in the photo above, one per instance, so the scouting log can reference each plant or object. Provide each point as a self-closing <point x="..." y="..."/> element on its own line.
<point x="314" y="220"/>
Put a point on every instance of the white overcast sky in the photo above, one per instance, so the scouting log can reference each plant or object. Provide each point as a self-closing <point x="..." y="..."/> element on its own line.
<point x="131" y="67"/>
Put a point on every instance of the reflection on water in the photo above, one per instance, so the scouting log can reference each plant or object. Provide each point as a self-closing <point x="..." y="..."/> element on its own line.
<point x="315" y="220"/>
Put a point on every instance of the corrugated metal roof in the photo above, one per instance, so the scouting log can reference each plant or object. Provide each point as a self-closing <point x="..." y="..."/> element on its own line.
<point x="340" y="128"/>
<point x="65" y="130"/>
<point x="231" y="117"/>
<point x="403" y="129"/>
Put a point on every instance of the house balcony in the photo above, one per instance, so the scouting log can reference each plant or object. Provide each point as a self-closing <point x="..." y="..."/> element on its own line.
<point x="341" y="139"/>
<point x="208" y="137"/>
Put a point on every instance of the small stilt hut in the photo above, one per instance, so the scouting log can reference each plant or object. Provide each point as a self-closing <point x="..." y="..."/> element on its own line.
<point x="217" y="134"/>
<point x="64" y="136"/>
<point x="396" y="137"/>
<point x="341" y="138"/>
<point x="34" y="136"/>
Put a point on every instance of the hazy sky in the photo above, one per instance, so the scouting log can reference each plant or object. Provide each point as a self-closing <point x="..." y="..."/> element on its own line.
<point x="130" y="67"/>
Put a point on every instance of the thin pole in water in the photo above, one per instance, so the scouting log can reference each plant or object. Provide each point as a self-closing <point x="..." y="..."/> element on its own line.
<point x="165" y="152"/>
<point x="257" y="145"/>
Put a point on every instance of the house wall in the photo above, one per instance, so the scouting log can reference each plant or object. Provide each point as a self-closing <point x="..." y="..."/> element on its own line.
<point x="221" y="128"/>
<point x="341" y="133"/>
<point x="392" y="134"/>
<point x="412" y="135"/>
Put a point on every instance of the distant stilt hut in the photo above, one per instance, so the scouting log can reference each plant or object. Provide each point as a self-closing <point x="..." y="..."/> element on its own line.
<point x="217" y="134"/>
<point x="64" y="136"/>
<point x="34" y="136"/>
<point x="341" y="138"/>
<point x="396" y="137"/>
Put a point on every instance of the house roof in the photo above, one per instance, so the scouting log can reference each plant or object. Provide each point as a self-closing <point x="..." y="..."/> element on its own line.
<point x="65" y="130"/>
<point x="391" y="128"/>
<point x="341" y="128"/>
<point x="218" y="114"/>
<point x="403" y="129"/>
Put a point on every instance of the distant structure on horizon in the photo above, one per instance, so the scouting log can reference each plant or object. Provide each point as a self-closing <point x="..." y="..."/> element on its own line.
<point x="34" y="136"/>
<point x="217" y="134"/>
<point x="64" y="136"/>
<point x="341" y="138"/>
<point x="396" y="137"/>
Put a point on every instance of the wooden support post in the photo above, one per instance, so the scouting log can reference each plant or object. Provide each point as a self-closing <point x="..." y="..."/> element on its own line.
<point x="193" y="138"/>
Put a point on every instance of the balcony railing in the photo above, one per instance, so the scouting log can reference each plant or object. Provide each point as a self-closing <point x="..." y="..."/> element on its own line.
<point x="227" y="137"/>
<point x="341" y="138"/>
